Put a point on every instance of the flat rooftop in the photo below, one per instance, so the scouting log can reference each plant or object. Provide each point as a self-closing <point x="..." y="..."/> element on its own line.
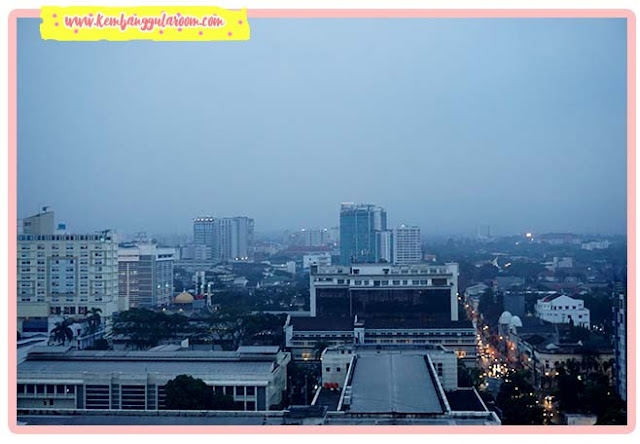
<point x="244" y="363"/>
<point x="393" y="383"/>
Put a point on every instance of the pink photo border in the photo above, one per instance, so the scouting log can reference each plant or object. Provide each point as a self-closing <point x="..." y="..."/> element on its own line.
<point x="346" y="13"/>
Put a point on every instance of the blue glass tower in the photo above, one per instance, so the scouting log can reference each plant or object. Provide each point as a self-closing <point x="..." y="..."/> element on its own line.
<point x="359" y="224"/>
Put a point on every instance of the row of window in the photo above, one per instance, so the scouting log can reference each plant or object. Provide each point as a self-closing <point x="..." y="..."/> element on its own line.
<point x="384" y="283"/>
<point x="46" y="389"/>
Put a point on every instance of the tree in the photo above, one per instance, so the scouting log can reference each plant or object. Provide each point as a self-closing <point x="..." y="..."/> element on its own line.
<point x="517" y="401"/>
<point x="62" y="332"/>
<point x="94" y="319"/>
<point x="146" y="328"/>
<point x="185" y="392"/>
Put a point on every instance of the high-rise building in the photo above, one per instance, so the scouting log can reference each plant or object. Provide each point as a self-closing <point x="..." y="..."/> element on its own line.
<point x="233" y="239"/>
<point x="203" y="237"/>
<point x="384" y="246"/>
<point x="66" y="274"/>
<point x="145" y="275"/>
<point x="407" y="245"/>
<point x="620" y="341"/>
<point x="358" y="226"/>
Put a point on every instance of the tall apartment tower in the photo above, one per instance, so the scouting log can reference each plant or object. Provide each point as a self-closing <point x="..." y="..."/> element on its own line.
<point x="407" y="245"/>
<point x="358" y="226"/>
<point x="145" y="275"/>
<point x="203" y="237"/>
<point x="233" y="238"/>
<point x="384" y="246"/>
<point x="65" y="274"/>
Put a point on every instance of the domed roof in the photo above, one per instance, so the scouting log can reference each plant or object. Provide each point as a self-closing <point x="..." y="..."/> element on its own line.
<point x="184" y="298"/>
<point x="516" y="321"/>
<point x="505" y="318"/>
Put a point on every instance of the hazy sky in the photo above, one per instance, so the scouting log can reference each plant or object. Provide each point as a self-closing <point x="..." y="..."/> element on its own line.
<point x="520" y="124"/>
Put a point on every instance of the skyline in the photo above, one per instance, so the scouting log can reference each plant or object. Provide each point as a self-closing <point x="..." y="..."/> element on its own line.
<point x="521" y="126"/>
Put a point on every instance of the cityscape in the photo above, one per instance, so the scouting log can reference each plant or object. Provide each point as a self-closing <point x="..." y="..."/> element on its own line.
<point x="360" y="323"/>
<point x="362" y="222"/>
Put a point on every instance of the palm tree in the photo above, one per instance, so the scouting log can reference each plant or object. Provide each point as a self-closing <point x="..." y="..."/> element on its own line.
<point x="62" y="332"/>
<point x="94" y="319"/>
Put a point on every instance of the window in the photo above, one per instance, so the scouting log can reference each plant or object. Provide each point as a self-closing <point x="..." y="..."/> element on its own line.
<point x="251" y="391"/>
<point x="239" y="391"/>
<point x="328" y="369"/>
<point x="338" y="369"/>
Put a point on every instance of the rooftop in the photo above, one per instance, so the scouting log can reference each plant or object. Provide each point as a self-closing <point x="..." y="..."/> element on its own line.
<point x="346" y="323"/>
<point x="52" y="361"/>
<point x="393" y="383"/>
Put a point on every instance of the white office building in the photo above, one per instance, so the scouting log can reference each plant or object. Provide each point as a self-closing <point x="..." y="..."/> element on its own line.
<point x="561" y="309"/>
<point x="407" y="245"/>
<point x="322" y="259"/>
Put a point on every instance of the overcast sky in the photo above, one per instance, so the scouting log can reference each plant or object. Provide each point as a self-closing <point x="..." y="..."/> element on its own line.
<point x="519" y="124"/>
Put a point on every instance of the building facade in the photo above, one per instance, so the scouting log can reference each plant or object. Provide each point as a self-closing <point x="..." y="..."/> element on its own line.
<point x="384" y="246"/>
<point x="322" y="259"/>
<point x="53" y="378"/>
<point x="66" y="275"/>
<point x="358" y="226"/>
<point x="233" y="239"/>
<point x="203" y="230"/>
<point x="407" y="245"/>
<point x="620" y="343"/>
<point x="379" y="290"/>
<point x="41" y="224"/>
<point x="145" y="275"/>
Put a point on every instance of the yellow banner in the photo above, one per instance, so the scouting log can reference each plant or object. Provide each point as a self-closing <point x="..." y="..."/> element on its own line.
<point x="162" y="23"/>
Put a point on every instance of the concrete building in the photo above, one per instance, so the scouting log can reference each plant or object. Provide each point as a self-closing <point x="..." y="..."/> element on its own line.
<point x="41" y="224"/>
<point x="407" y="245"/>
<point x="384" y="246"/>
<point x="382" y="304"/>
<point x="371" y="290"/>
<point x="203" y="237"/>
<point x="233" y="239"/>
<point x="66" y="275"/>
<point x="358" y="226"/>
<point x="620" y="343"/>
<point x="54" y="378"/>
<point x="145" y="275"/>
<point x="396" y="385"/>
<point x="561" y="309"/>
<point x="322" y="259"/>
<point x="304" y="335"/>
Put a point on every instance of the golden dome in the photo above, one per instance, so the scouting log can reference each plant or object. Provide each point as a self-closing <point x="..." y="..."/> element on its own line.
<point x="183" y="298"/>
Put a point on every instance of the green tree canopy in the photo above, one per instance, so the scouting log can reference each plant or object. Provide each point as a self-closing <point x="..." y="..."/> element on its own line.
<point x="185" y="392"/>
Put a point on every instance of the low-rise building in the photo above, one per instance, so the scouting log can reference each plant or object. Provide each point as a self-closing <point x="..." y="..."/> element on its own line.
<point x="54" y="378"/>
<point x="322" y="259"/>
<point x="562" y="309"/>
<point x="306" y="336"/>
<point x="401" y="384"/>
